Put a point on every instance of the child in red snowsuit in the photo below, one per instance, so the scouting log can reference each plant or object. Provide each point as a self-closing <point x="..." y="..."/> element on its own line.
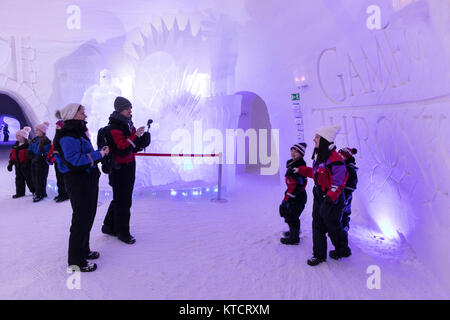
<point x="350" y="186"/>
<point x="295" y="196"/>
<point x="18" y="158"/>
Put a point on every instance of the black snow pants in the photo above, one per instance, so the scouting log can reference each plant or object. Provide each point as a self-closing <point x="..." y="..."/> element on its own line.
<point x="122" y="182"/>
<point x="82" y="188"/>
<point x="327" y="219"/>
<point x="292" y="213"/>
<point x="60" y="182"/>
<point x="39" y="174"/>
<point x="347" y="211"/>
<point x="23" y="175"/>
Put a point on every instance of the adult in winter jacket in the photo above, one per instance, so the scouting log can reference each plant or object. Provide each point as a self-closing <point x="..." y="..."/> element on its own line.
<point x="37" y="152"/>
<point x="62" y="194"/>
<point x="124" y="141"/>
<point x="77" y="160"/>
<point x="350" y="186"/>
<point x="329" y="174"/>
<point x="5" y="133"/>
<point x="295" y="196"/>
<point x="19" y="159"/>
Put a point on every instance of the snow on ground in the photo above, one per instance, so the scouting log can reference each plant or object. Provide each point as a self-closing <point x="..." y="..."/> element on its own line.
<point x="194" y="250"/>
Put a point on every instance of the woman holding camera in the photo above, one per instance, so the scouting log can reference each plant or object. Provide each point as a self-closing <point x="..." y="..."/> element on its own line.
<point x="77" y="161"/>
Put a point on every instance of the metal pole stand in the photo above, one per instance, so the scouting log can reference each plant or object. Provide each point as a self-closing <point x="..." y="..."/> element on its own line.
<point x="219" y="184"/>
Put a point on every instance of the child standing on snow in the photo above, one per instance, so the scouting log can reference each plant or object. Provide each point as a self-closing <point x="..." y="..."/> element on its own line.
<point x="37" y="151"/>
<point x="295" y="196"/>
<point x="350" y="186"/>
<point x="18" y="158"/>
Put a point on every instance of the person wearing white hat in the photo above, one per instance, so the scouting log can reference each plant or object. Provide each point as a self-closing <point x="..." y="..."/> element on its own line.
<point x="77" y="161"/>
<point x="37" y="152"/>
<point x="330" y="174"/>
<point x="18" y="158"/>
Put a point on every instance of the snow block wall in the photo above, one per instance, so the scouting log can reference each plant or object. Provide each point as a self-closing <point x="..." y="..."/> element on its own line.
<point x="389" y="91"/>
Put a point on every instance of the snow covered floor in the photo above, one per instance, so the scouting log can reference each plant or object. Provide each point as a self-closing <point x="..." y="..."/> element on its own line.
<point x="192" y="250"/>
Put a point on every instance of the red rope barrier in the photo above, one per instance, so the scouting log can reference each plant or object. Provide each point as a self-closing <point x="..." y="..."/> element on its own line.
<point x="175" y="155"/>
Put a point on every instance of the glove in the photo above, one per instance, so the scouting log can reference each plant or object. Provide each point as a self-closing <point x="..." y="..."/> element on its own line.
<point x="332" y="195"/>
<point x="10" y="166"/>
<point x="285" y="204"/>
<point x="142" y="141"/>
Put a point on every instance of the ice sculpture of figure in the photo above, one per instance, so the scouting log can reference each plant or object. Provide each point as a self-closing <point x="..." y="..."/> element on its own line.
<point x="99" y="101"/>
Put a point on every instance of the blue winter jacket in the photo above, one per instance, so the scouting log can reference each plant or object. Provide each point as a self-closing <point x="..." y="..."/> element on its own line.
<point x="75" y="152"/>
<point x="34" y="147"/>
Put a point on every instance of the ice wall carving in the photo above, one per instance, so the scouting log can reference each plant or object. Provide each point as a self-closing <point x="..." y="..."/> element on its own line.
<point x="174" y="84"/>
<point x="18" y="77"/>
<point x="388" y="90"/>
<point x="403" y="153"/>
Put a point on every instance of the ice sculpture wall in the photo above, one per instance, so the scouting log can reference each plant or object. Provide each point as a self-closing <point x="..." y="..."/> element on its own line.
<point x="388" y="88"/>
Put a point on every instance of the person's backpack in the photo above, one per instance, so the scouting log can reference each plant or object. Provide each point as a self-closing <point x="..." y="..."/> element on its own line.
<point x="103" y="140"/>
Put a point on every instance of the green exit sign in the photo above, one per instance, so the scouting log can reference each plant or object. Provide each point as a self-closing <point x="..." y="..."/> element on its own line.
<point x="295" y="96"/>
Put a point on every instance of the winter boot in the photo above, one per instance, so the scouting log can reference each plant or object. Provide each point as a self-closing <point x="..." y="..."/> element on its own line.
<point x="293" y="237"/>
<point x="108" y="230"/>
<point x="93" y="255"/>
<point x="88" y="267"/>
<point x="127" y="239"/>
<point x="287" y="234"/>
<point x="38" y="198"/>
<point x="315" y="261"/>
<point x="336" y="255"/>
<point x="62" y="198"/>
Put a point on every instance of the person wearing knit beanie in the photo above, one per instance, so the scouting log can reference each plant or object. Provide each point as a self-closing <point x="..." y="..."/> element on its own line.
<point x="121" y="104"/>
<point x="59" y="124"/>
<point x="77" y="160"/>
<point x="18" y="158"/>
<point x="350" y="186"/>
<point x="37" y="152"/>
<point x="125" y="141"/>
<point x="329" y="173"/>
<point x="300" y="148"/>
<point x="42" y="127"/>
<point x="24" y="133"/>
<point x="294" y="199"/>
<point x="328" y="132"/>
<point x="68" y="112"/>
<point x="347" y="153"/>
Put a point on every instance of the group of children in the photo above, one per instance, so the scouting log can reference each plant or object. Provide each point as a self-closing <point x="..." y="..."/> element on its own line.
<point x="335" y="179"/>
<point x="31" y="160"/>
